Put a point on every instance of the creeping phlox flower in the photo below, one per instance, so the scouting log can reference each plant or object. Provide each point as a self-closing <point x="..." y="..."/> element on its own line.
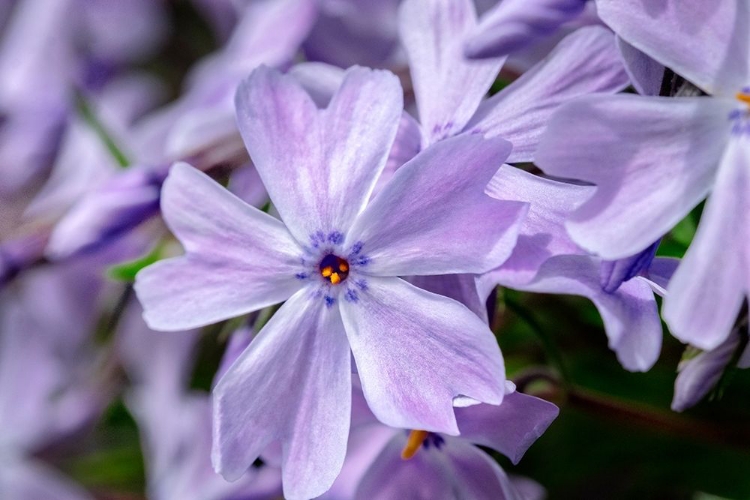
<point x="655" y="158"/>
<point x="335" y="259"/>
<point x="424" y="465"/>
<point x="545" y="259"/>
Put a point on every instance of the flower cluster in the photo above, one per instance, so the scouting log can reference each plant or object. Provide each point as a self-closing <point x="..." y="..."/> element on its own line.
<point x="339" y="197"/>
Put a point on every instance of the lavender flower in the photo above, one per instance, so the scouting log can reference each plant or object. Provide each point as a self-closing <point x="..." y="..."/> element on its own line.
<point x="653" y="159"/>
<point x="334" y="260"/>
<point x="431" y="465"/>
<point x="584" y="62"/>
<point x="514" y="24"/>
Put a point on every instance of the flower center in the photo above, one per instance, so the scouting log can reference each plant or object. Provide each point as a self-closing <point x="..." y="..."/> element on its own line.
<point x="334" y="269"/>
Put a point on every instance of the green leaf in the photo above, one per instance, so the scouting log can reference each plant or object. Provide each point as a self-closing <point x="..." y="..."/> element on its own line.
<point x="127" y="271"/>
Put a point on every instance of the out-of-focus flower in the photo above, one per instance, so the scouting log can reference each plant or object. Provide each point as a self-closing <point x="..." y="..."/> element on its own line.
<point x="514" y="24"/>
<point x="334" y="260"/>
<point x="430" y="465"/>
<point x="49" y="387"/>
<point x="175" y="423"/>
<point x="653" y="159"/>
<point x="349" y="32"/>
<point x="50" y="50"/>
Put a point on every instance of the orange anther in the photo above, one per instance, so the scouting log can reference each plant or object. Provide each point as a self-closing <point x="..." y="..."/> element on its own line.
<point x="742" y="97"/>
<point x="416" y="438"/>
<point x="326" y="271"/>
<point x="335" y="279"/>
<point x="343" y="266"/>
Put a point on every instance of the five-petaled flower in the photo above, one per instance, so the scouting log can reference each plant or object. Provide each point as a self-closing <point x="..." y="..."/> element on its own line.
<point x="336" y="260"/>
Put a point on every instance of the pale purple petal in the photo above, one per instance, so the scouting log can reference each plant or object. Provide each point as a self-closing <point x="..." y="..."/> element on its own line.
<point x="158" y="359"/>
<point x="432" y="217"/>
<point x="659" y="273"/>
<point x="237" y="260"/>
<point x="293" y="384"/>
<point x="31" y="479"/>
<point x="415" y="351"/>
<point x="364" y="446"/>
<point x="355" y="32"/>
<point x="319" y="166"/>
<point x="476" y="475"/>
<point x="106" y="213"/>
<point x="645" y="74"/>
<point x="425" y="476"/>
<point x="652" y="158"/>
<point x="543" y="233"/>
<point x="447" y="86"/>
<point x="706" y="42"/>
<point x="514" y="24"/>
<point x="147" y="28"/>
<point x="510" y="428"/>
<point x="631" y="319"/>
<point x="707" y="290"/>
<point x="699" y="375"/>
<point x="614" y="272"/>
<point x="459" y="287"/>
<point x="267" y="33"/>
<point x="584" y="62"/>
<point x="245" y="183"/>
<point x="407" y="145"/>
<point x="454" y="470"/>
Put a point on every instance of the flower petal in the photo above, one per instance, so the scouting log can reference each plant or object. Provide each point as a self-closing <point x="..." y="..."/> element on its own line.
<point x="706" y="42"/>
<point x="707" y="290"/>
<point x="303" y="352"/>
<point x="27" y="479"/>
<point x="447" y="86"/>
<point x="652" y="158"/>
<point x="510" y="428"/>
<point x="433" y="218"/>
<point x="543" y="231"/>
<point x="390" y="476"/>
<point x="645" y="74"/>
<point x="319" y="166"/>
<point x="699" y="375"/>
<point x="415" y="351"/>
<point x="455" y="470"/>
<point x="237" y="260"/>
<point x="630" y="315"/>
<point x="459" y="287"/>
<point x="515" y="24"/>
<point x="584" y="62"/>
<point x="659" y="273"/>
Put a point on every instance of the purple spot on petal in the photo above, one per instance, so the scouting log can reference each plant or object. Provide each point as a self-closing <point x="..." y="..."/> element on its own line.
<point x="356" y="248"/>
<point x="301" y="276"/>
<point x="329" y="301"/>
<point x="336" y="238"/>
<point x="351" y="295"/>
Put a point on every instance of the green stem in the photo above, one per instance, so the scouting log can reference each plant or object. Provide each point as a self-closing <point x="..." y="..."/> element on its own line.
<point x="88" y="114"/>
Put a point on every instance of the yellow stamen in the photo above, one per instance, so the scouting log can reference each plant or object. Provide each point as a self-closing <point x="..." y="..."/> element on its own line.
<point x="343" y="266"/>
<point x="416" y="438"/>
<point x="326" y="271"/>
<point x="335" y="278"/>
<point x="741" y="96"/>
